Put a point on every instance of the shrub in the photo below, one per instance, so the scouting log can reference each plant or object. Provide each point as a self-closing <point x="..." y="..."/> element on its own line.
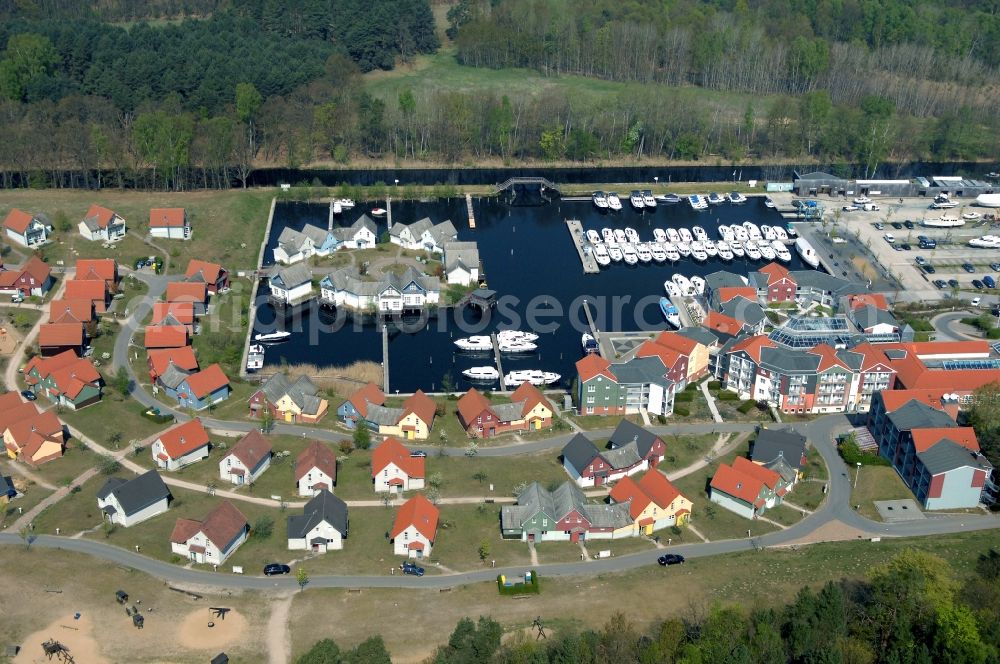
<point x="852" y="454"/>
<point x="726" y="395"/>
<point x="681" y="411"/>
<point x="262" y="528"/>
<point x="691" y="387"/>
<point x="684" y="396"/>
<point x="715" y="385"/>
<point x="747" y="406"/>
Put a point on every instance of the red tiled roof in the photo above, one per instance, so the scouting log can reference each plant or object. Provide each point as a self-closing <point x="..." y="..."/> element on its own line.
<point x="876" y="300"/>
<point x="873" y="357"/>
<point x="720" y="322"/>
<point x="87" y="289"/>
<point x="101" y="214"/>
<point x="17" y="220"/>
<point x="727" y="293"/>
<point x="753" y="345"/>
<point x="369" y="394"/>
<point x="739" y="483"/>
<point x="419" y="513"/>
<point x="317" y="455"/>
<point x="165" y="336"/>
<point x="69" y="311"/>
<point x="182" y="312"/>
<point x="471" y="405"/>
<point x="209" y="271"/>
<point x="166" y="217"/>
<point x="184" y="291"/>
<point x="668" y="356"/>
<point x="60" y="334"/>
<point x="251" y="449"/>
<point x="184" y="529"/>
<point x="207" y="381"/>
<point x="220" y="527"/>
<point x="626" y="489"/>
<point x="184" y="438"/>
<point x="680" y="343"/>
<point x="31" y="429"/>
<point x="659" y="488"/>
<point x="420" y="405"/>
<point x="924" y="348"/>
<point x="774" y="271"/>
<point x="37" y="269"/>
<point x="530" y="396"/>
<point x="924" y="439"/>
<point x="182" y="358"/>
<point x="594" y="365"/>
<point x="769" y="477"/>
<point x="894" y="399"/>
<point x="827" y="357"/>
<point x="69" y="372"/>
<point x="393" y="451"/>
<point x="88" y="269"/>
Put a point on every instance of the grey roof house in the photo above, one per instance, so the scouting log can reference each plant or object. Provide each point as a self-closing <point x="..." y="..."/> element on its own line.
<point x="128" y="502"/>
<point x="322" y="526"/>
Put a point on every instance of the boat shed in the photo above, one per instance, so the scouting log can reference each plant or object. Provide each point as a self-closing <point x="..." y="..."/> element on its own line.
<point x="819" y="182"/>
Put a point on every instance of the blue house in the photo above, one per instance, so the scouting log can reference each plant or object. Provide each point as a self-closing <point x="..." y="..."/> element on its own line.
<point x="355" y="409"/>
<point x="197" y="390"/>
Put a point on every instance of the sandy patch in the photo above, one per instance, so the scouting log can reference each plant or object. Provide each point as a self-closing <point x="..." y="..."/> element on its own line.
<point x="76" y="635"/>
<point x="194" y="632"/>
<point x="9" y="339"/>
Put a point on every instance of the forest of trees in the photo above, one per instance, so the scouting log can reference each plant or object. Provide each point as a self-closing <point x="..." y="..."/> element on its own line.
<point x="910" y="610"/>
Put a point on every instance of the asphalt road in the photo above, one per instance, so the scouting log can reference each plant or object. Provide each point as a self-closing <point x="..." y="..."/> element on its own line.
<point x="945" y="325"/>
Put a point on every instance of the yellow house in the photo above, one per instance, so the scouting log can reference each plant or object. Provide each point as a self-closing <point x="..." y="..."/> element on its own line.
<point x="288" y="401"/>
<point x="31" y="436"/>
<point x="411" y="422"/>
<point x="654" y="502"/>
<point x="696" y="353"/>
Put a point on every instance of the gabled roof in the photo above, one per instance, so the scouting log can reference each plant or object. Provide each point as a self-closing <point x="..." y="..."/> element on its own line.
<point x="948" y="455"/>
<point x="699" y="334"/>
<point x="71" y="311"/>
<point x="628" y="433"/>
<point x="60" y="334"/>
<point x="924" y="439"/>
<point x="895" y="399"/>
<point x="743" y="309"/>
<point x="88" y="269"/>
<point x="183" y="291"/>
<point x="775" y="272"/>
<point x="199" y="271"/>
<point x="529" y="396"/>
<point x="323" y="507"/>
<point x="738" y="484"/>
<point x="876" y="300"/>
<point x="251" y="449"/>
<point x="626" y="490"/>
<point x="729" y="292"/>
<point x="165" y="336"/>
<point x="420" y="405"/>
<point x="752" y="346"/>
<point x="183" y="438"/>
<point x="660" y="490"/>
<point x="39" y="270"/>
<point x="220" y="527"/>
<point x="917" y="415"/>
<point x="166" y="217"/>
<point x="472" y="404"/>
<point x="594" y="365"/>
<point x="828" y="358"/>
<point x="17" y="220"/>
<point x="682" y="344"/>
<point x="91" y="289"/>
<point x="181" y="312"/>
<point x="722" y="323"/>
<point x="317" y="455"/>
<point x="723" y="279"/>
<point x="69" y="372"/>
<point x="292" y="276"/>
<point x="772" y="443"/>
<point x="668" y="356"/>
<point x="872" y="357"/>
<point x="419" y="513"/>
<point x="394" y="452"/>
<point x="183" y="358"/>
<point x="98" y="217"/>
<point x="136" y="494"/>
<point x="208" y="380"/>
<point x="580" y="451"/>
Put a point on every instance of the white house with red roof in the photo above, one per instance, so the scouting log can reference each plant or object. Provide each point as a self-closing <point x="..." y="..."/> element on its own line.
<point x="169" y="223"/>
<point x="415" y="528"/>
<point x="212" y="539"/>
<point x="746" y="488"/>
<point x="102" y="224"/>
<point x="315" y="469"/>
<point x="97" y="269"/>
<point x="26" y="229"/>
<point x="246" y="460"/>
<point x="160" y="359"/>
<point x="214" y="276"/>
<point x="180" y="445"/>
<point x="394" y="469"/>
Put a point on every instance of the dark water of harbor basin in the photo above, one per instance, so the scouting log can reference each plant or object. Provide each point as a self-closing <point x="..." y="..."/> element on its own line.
<point x="528" y="257"/>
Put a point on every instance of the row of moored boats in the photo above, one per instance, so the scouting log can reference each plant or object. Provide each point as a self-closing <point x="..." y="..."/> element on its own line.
<point x="510" y="342"/>
<point x="643" y="199"/>
<point x="672" y="244"/>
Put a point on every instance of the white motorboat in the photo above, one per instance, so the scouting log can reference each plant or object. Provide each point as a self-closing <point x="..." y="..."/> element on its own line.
<point x="648" y="199"/>
<point x="659" y="235"/>
<point x="672" y="254"/>
<point x="715" y="198"/>
<point x="862" y="200"/>
<point x="943" y="205"/>
<point x="673" y="235"/>
<point x="608" y="234"/>
<point x="781" y="251"/>
<point x="699" y="285"/>
<point x="669" y="198"/>
<point x="985" y="242"/>
<point x="697" y="202"/>
<point x="780" y="234"/>
<point x="670" y="312"/>
<point x="630" y="255"/>
<point x="710" y="248"/>
<point x="659" y="252"/>
<point x="768" y="232"/>
<point x="671" y="288"/>
<point x="616" y="254"/>
<point x="482" y="374"/>
<point x="475" y="343"/>
<point x="589" y="344"/>
<point x="769" y="203"/>
<point x="272" y="337"/>
<point x="533" y="376"/>
<point x="791" y="232"/>
<point x="600" y="200"/>
<point x="593" y="237"/>
<point x="686" y="235"/>
<point x="725" y="253"/>
<point x="644" y="252"/>
<point x="766" y="252"/>
<point x="806" y="252"/>
<point x="378" y="212"/>
<point x="637" y="200"/>
<point x="614" y="203"/>
<point x="944" y="221"/>
<point x="752" y="231"/>
<point x="345" y="203"/>
<point x="631" y="235"/>
<point x="737" y="248"/>
<point x="255" y="357"/>
<point x="620" y="236"/>
<point x="736" y="198"/>
<point x="684" y="249"/>
<point x="753" y="253"/>
<point x="517" y="346"/>
<point x="601" y="255"/>
<point x="503" y="336"/>
<point x="988" y="200"/>
<point x="699" y="233"/>
<point x="971" y="216"/>
<point x="740" y="233"/>
<point x="699" y="255"/>
<point x="683" y="284"/>
<point x="337" y="208"/>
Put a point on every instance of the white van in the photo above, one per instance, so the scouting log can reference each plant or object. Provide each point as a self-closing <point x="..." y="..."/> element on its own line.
<point x="870" y="207"/>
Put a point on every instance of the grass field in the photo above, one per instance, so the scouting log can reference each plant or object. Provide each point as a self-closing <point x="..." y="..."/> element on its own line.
<point x="227" y="226"/>
<point x="876" y="483"/>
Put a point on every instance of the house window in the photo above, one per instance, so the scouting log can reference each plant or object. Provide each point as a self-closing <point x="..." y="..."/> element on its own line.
<point x="545" y="523"/>
<point x="591" y="388"/>
<point x="590" y="410"/>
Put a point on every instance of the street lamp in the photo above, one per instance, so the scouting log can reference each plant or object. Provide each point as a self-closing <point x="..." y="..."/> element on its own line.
<point x="857" y="475"/>
<point x="397" y="182"/>
<point x="656" y="179"/>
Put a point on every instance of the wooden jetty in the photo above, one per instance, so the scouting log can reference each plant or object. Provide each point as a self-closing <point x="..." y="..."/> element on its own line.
<point x="496" y="354"/>
<point x="590" y="265"/>
<point x="682" y="310"/>
<point x="385" y="358"/>
<point x="472" y="216"/>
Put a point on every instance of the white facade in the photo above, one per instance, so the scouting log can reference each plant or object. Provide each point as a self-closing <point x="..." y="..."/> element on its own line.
<point x="323" y="530"/>
<point x="291" y="295"/>
<point x="200" y="549"/>
<point x="462" y="275"/>
<point x="313" y="477"/>
<point x="232" y="470"/>
<point x="404" y="540"/>
<point x="388" y="299"/>
<point x="36" y="234"/>
<point x="164" y="461"/>
<point x="287" y="255"/>
<point x="735" y="506"/>
<point x="126" y="520"/>
<point x="172" y="232"/>
<point x="113" y="231"/>
<point x="361" y="238"/>
<point x="394" y="478"/>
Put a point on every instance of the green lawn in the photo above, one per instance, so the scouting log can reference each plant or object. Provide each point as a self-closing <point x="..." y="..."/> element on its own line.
<point x="224" y="331"/>
<point x="876" y="483"/>
<point x="461" y="531"/>
<point x="808" y="494"/>
<point x="815" y="468"/>
<point x="62" y="471"/>
<point x="33" y="494"/>
<point x="367" y="549"/>
<point x="682" y="451"/>
<point x="114" y="414"/>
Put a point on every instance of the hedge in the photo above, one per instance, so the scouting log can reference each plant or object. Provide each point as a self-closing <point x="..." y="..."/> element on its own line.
<point x="519" y="588"/>
<point x="691" y="387"/>
<point x="682" y="411"/>
<point x="684" y="396"/>
<point x="852" y="454"/>
<point x="715" y="385"/>
<point x="726" y="395"/>
<point x="747" y="406"/>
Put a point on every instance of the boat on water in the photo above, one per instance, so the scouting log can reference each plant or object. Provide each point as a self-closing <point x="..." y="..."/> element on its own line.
<point x="517" y="346"/>
<point x="806" y="252"/>
<point x="781" y="251"/>
<point x="504" y="336"/>
<point x="616" y="254"/>
<point x="684" y="249"/>
<point x="670" y="313"/>
<point x="752" y="231"/>
<point x="686" y="235"/>
<point x="337" y="208"/>
<point x="345" y="203"/>
<point x="533" y="376"/>
<point x="614" y="202"/>
<point x="593" y="237"/>
<point x="659" y="235"/>
<point x="944" y="221"/>
<point x="637" y="200"/>
<point x="715" y="198"/>
<point x="699" y="255"/>
<point x="255" y="357"/>
<point x="630" y="255"/>
<point x="378" y="212"/>
<point x="725" y="233"/>
<point x="750" y="247"/>
<point x="683" y="285"/>
<point x="971" y="216"/>
<point x="608" y="235"/>
<point x="790" y="229"/>
<point x="673" y="235"/>
<point x="648" y="199"/>
<point x="620" y="236"/>
<point x="766" y="252"/>
<point x="779" y="233"/>
<point x="600" y="200"/>
<point x="697" y="202"/>
<point x="710" y="248"/>
<point x="644" y="252"/>
<point x="671" y="288"/>
<point x="589" y="344"/>
<point x="699" y="285"/>
<point x="482" y="374"/>
<point x="475" y="343"/>
<point x="736" y="198"/>
<point x="659" y="252"/>
<point x="631" y="235"/>
<point x="768" y="232"/>
<point x="740" y="233"/>
<point x="272" y="337"/>
<point x="769" y="203"/>
<point x="725" y="253"/>
<point x="699" y="233"/>
<point x="601" y="255"/>
<point x="736" y="247"/>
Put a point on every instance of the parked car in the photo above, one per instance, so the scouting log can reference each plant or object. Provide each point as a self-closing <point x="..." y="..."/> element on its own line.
<point x="940" y="283"/>
<point x="29" y="395"/>
<point x="929" y="269"/>
<point x="978" y="285"/>
<point x="990" y="281"/>
<point x="670" y="559"/>
<point x="995" y="266"/>
<point x="273" y="569"/>
<point x="898" y="226"/>
<point x="953" y="283"/>
<point x="975" y="301"/>
<point x="928" y="244"/>
<point x="889" y="238"/>
<point x="968" y="267"/>
<point x="909" y="224"/>
<point x="851" y="208"/>
<point x="879" y="226"/>
<point x="905" y="246"/>
<point x="17" y="298"/>
<point x="410" y="568"/>
<point x="418" y="454"/>
<point x="920" y="260"/>
<point x="922" y="238"/>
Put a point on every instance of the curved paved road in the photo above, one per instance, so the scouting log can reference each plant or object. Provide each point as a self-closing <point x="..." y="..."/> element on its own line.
<point x="945" y="326"/>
